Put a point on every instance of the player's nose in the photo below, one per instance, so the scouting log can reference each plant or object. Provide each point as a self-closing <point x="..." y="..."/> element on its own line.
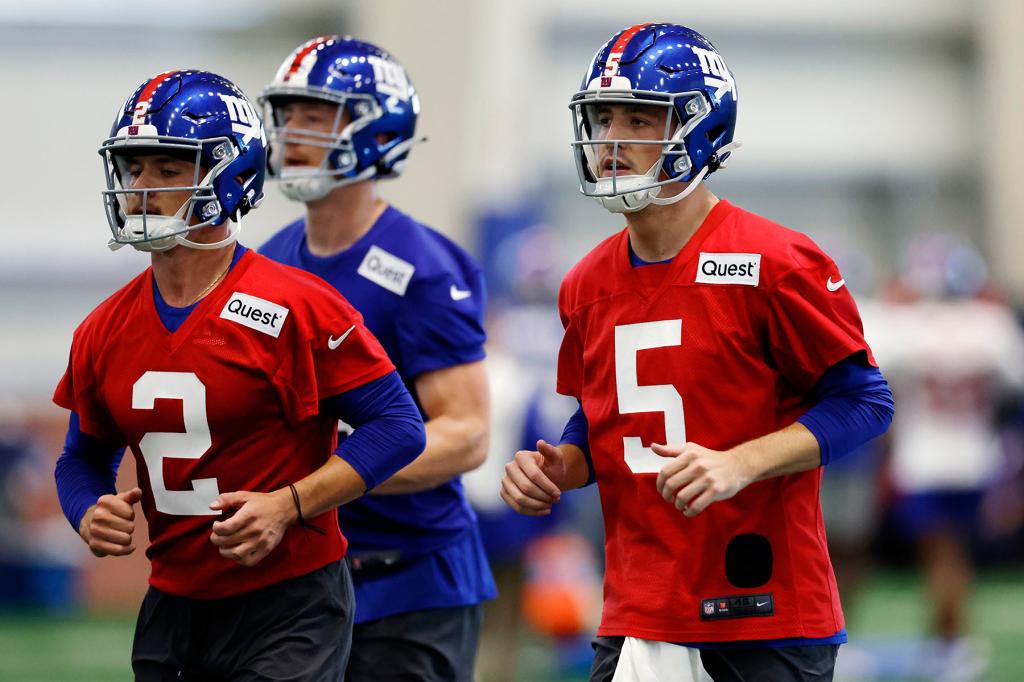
<point x="617" y="129"/>
<point x="138" y="180"/>
<point x="133" y="203"/>
<point x="140" y="201"/>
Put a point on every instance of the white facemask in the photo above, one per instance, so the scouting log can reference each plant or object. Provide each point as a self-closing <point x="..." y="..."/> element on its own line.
<point x="305" y="187"/>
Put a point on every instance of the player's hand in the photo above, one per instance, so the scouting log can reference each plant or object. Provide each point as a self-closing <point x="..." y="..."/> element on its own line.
<point x="696" y="477"/>
<point x="255" y="528"/>
<point x="108" y="525"/>
<point x="533" y="480"/>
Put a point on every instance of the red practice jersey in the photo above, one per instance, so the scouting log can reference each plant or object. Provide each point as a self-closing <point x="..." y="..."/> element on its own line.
<point x="721" y="345"/>
<point x="228" y="402"/>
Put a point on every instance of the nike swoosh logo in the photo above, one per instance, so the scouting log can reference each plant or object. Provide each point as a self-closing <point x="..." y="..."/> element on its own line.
<point x="834" y="286"/>
<point x="761" y="603"/>
<point x="459" y="294"/>
<point x="333" y="343"/>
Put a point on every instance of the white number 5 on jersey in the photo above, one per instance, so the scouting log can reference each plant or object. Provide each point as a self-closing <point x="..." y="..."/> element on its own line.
<point x="192" y="444"/>
<point x="664" y="398"/>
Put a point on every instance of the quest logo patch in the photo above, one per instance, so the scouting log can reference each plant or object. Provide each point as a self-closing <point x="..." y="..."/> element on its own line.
<point x="255" y="313"/>
<point x="729" y="268"/>
<point x="387" y="270"/>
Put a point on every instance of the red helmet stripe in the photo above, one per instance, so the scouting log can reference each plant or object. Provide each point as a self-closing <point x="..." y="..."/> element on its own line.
<point x="151" y="86"/>
<point x="612" y="64"/>
<point x="301" y="54"/>
<point x="146" y="97"/>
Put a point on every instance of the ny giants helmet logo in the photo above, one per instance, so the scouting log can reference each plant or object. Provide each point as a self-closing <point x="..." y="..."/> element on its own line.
<point x="716" y="74"/>
<point x="244" y="119"/>
<point x="390" y="77"/>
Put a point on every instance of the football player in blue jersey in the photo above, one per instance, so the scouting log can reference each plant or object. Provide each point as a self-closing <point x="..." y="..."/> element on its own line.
<point x="342" y="115"/>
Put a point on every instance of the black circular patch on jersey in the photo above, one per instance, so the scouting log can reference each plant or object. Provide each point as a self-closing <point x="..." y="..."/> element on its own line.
<point x="748" y="560"/>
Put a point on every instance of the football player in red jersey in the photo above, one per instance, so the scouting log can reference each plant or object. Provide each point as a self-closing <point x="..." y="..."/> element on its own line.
<point x="225" y="374"/>
<point x="720" y="363"/>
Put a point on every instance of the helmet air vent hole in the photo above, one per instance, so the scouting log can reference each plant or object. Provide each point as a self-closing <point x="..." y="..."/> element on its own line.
<point x="714" y="134"/>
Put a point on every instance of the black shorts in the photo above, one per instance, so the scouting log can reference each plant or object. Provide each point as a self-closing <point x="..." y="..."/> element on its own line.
<point x="299" y="629"/>
<point x="431" y="645"/>
<point x="762" y="664"/>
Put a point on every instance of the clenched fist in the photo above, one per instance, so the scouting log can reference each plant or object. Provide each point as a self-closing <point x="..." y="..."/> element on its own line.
<point x="108" y="525"/>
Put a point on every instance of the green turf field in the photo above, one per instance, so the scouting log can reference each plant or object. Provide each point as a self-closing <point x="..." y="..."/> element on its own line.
<point x="79" y="649"/>
<point x="96" y="649"/>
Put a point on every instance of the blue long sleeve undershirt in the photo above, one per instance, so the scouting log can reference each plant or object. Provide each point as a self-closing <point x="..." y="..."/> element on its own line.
<point x="853" y="405"/>
<point x="389" y="431"/>
<point x="576" y="433"/>
<point x="388" y="434"/>
<point x="86" y="470"/>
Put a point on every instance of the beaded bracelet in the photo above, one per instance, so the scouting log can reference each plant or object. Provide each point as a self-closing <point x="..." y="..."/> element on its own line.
<point x="298" y="508"/>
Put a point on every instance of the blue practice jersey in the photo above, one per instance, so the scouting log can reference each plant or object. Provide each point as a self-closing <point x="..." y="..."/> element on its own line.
<point x="423" y="297"/>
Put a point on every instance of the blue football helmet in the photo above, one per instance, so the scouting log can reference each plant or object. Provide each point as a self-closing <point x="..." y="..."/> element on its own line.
<point x="374" y="126"/>
<point x="657" y="65"/>
<point x="201" y="117"/>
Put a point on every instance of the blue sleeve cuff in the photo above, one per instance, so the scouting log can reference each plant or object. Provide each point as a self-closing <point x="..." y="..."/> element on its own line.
<point x="388" y="429"/>
<point x="86" y="470"/>
<point x="854" y="405"/>
<point x="576" y="433"/>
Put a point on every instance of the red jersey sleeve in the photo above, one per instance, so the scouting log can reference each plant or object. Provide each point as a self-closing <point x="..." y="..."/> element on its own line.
<point x="813" y="321"/>
<point x="78" y="392"/>
<point x="570" y="354"/>
<point x="331" y="352"/>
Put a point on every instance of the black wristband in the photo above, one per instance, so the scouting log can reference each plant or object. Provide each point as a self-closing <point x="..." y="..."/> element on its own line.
<point x="298" y="508"/>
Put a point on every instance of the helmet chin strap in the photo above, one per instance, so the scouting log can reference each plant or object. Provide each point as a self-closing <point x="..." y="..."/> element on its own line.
<point x="313" y="182"/>
<point x="234" y="228"/>
<point x="630" y="202"/>
<point x="307" y="187"/>
<point x="665" y="201"/>
<point x="171" y="224"/>
<point x="160" y="227"/>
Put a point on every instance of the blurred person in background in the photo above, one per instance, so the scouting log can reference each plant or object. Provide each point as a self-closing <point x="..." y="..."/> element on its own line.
<point x="38" y="569"/>
<point x="954" y="352"/>
<point x="344" y="116"/>
<point x="853" y="498"/>
<point x="520" y="257"/>
<point x="714" y="539"/>
<point x="548" y="603"/>
<point x="225" y="374"/>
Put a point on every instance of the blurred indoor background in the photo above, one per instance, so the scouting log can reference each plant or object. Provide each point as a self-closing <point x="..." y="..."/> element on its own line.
<point x="888" y="131"/>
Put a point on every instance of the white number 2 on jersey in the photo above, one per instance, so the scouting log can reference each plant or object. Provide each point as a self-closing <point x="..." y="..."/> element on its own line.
<point x="192" y="444"/>
<point x="664" y="398"/>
